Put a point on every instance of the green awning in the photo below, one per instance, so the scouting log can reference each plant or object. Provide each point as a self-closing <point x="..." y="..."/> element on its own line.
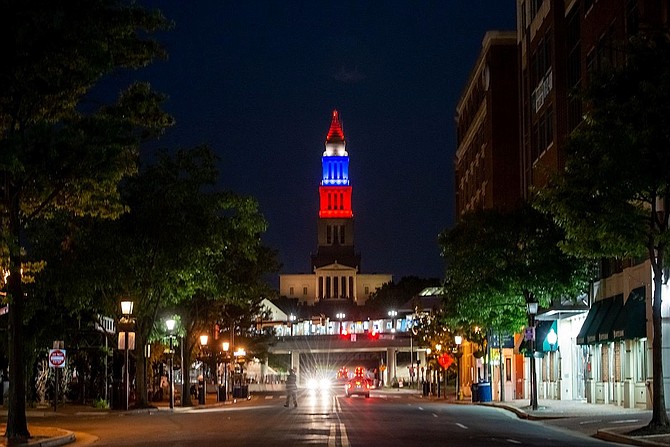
<point x="632" y="321"/>
<point x="581" y="337"/>
<point x="601" y="314"/>
<point x="605" y="333"/>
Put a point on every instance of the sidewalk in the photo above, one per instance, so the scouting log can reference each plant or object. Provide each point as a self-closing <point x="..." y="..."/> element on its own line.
<point x="552" y="409"/>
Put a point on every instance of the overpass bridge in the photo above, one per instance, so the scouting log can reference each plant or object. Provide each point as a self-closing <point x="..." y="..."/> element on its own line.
<point x="389" y="353"/>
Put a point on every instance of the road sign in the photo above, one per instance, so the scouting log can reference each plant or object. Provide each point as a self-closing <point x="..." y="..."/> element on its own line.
<point x="57" y="358"/>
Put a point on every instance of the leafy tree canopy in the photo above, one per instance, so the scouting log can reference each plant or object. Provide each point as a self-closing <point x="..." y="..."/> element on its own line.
<point x="497" y="262"/>
<point x="613" y="197"/>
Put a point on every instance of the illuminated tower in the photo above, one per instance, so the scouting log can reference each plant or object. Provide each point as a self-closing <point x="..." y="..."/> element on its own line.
<point x="334" y="281"/>
<point x="336" y="219"/>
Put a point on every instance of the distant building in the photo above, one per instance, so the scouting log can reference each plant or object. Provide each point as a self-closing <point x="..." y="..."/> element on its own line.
<point x="335" y="278"/>
<point x="487" y="167"/>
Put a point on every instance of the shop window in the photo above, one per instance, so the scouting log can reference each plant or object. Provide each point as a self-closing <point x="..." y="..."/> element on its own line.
<point x="605" y="363"/>
<point x="641" y="364"/>
<point x="617" y="362"/>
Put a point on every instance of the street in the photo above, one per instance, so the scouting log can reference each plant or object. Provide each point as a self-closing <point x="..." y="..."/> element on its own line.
<point x="325" y="420"/>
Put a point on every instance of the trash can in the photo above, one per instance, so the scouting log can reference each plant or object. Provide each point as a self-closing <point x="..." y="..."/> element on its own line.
<point x="244" y="391"/>
<point x="118" y="396"/>
<point x="201" y="392"/>
<point x="222" y="393"/>
<point x="484" y="391"/>
<point x="426" y="388"/>
<point x="475" y="392"/>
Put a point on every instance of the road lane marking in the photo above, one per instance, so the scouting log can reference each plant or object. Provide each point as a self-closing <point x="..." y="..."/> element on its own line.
<point x="590" y="422"/>
<point x="461" y="425"/>
<point x="434" y="415"/>
<point x="513" y="441"/>
<point x="627" y="421"/>
<point x="344" y="439"/>
<point x="332" y="438"/>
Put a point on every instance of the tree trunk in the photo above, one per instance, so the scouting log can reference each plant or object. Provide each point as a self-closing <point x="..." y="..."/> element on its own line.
<point x="17" y="425"/>
<point x="186" y="349"/>
<point x="659" y="417"/>
<point x="140" y="371"/>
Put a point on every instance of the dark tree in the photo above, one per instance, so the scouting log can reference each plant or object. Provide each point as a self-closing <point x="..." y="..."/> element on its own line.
<point x="613" y="198"/>
<point x="53" y="156"/>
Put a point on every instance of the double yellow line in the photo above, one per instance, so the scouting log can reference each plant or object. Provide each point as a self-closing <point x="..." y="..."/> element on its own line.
<point x="337" y="427"/>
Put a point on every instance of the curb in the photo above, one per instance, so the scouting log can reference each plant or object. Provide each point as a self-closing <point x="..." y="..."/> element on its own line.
<point x="67" y="438"/>
<point x="611" y="435"/>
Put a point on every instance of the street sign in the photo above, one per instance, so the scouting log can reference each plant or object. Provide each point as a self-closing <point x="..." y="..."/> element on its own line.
<point x="57" y="358"/>
<point x="529" y="334"/>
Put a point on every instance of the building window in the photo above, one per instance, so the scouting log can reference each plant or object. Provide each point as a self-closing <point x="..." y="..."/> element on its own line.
<point x="642" y="360"/>
<point x="342" y="234"/>
<point x="604" y="363"/>
<point x="366" y="290"/>
<point x="329" y="234"/>
<point x="290" y="291"/>
<point x="304" y="290"/>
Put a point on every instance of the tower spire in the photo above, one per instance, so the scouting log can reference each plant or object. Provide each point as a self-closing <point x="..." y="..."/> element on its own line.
<point x="335" y="133"/>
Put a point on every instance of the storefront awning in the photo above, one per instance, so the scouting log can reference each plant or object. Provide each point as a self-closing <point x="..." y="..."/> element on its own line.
<point x="590" y="317"/>
<point x="632" y="321"/>
<point x="598" y="314"/>
<point x="604" y="333"/>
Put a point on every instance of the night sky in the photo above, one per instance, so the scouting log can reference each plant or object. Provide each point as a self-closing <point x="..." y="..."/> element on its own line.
<point x="258" y="80"/>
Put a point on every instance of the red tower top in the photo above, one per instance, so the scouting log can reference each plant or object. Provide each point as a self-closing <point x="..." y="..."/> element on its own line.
<point x="335" y="134"/>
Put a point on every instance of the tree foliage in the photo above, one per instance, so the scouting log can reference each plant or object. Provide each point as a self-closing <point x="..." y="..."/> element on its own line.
<point x="54" y="155"/>
<point x="613" y="197"/>
<point x="497" y="262"/>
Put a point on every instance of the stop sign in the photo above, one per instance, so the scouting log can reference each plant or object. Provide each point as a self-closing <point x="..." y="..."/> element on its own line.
<point x="445" y="360"/>
<point x="57" y="358"/>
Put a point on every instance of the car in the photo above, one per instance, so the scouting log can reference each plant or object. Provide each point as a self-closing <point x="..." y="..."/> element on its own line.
<point x="358" y="385"/>
<point x="318" y="384"/>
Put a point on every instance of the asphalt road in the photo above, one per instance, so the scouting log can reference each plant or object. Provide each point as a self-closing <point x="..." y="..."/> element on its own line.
<point x="322" y="420"/>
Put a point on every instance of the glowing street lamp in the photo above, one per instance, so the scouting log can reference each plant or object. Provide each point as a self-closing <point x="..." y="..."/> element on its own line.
<point x="459" y="341"/>
<point x="204" y="338"/>
<point x="226" y="348"/>
<point x="127" y="322"/>
<point x="532" y="311"/>
<point x="170" y="324"/>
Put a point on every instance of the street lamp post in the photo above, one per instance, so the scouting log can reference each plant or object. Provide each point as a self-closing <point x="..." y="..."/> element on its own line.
<point x="127" y="311"/>
<point x="170" y="324"/>
<point x="532" y="311"/>
<point x="459" y="341"/>
<point x="226" y="348"/>
<point x="203" y="391"/>
<point x="292" y="319"/>
<point x="340" y="316"/>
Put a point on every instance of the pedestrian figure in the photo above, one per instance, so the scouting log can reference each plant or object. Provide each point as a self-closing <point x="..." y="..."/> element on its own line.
<point x="291" y="388"/>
